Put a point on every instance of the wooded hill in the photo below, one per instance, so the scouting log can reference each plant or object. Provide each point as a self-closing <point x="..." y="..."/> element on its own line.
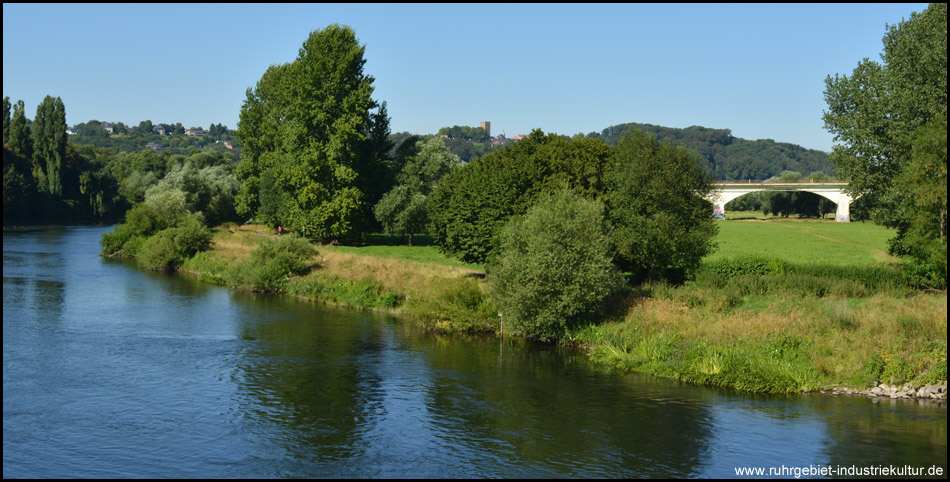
<point x="730" y="158"/>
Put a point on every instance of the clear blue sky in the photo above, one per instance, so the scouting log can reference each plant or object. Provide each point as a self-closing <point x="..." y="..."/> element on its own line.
<point x="758" y="70"/>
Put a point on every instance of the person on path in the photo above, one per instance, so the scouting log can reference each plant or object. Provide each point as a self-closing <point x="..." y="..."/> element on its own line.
<point x="279" y="230"/>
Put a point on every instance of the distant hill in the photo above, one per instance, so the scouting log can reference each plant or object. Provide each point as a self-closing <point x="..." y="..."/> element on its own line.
<point x="731" y="158"/>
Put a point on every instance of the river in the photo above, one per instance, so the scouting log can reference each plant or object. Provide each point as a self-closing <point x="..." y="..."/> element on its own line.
<point x="114" y="372"/>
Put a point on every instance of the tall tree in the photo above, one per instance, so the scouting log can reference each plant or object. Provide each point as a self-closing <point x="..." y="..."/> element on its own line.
<point x="6" y="120"/>
<point x="875" y="111"/>
<point x="305" y="128"/>
<point x="922" y="187"/>
<point x="21" y="140"/>
<point x="49" y="145"/>
<point x="656" y="201"/>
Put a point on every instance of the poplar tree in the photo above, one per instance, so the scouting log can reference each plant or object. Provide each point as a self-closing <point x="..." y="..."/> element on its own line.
<point x="21" y="142"/>
<point x="49" y="145"/>
<point x="6" y="120"/>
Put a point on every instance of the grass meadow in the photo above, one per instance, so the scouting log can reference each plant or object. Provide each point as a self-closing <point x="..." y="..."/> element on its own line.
<point x="782" y="306"/>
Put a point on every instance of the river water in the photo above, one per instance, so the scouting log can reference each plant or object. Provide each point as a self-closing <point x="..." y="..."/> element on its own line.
<point x="109" y="371"/>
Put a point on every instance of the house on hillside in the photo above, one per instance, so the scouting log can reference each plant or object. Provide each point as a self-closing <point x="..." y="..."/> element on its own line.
<point x="159" y="129"/>
<point x="107" y="126"/>
<point x="155" y="147"/>
<point x="195" y="132"/>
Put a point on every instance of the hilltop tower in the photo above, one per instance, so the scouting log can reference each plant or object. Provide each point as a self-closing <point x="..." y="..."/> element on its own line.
<point x="487" y="126"/>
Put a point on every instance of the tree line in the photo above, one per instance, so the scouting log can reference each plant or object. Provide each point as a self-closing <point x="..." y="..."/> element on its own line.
<point x="48" y="177"/>
<point x="729" y="158"/>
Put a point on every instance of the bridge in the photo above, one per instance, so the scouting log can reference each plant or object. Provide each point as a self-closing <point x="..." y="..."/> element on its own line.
<point x="834" y="191"/>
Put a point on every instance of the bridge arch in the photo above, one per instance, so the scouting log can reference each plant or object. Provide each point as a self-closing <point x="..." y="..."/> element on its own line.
<point x="722" y="193"/>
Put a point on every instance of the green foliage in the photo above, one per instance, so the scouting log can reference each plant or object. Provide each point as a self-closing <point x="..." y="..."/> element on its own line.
<point x="113" y="241"/>
<point x="21" y="138"/>
<point x="271" y="263"/>
<point x="752" y="275"/>
<point x="159" y="252"/>
<point x="922" y="188"/>
<point x="456" y="304"/>
<point x="875" y="112"/>
<point x="726" y="157"/>
<point x="362" y="294"/>
<point x="156" y="240"/>
<point x="404" y="209"/>
<point x="553" y="268"/>
<point x="655" y="197"/>
<point x="477" y="134"/>
<point x="470" y="206"/>
<point x="49" y="145"/>
<point x="7" y="109"/>
<point x="308" y="125"/>
<point x="191" y="236"/>
<point x="209" y="190"/>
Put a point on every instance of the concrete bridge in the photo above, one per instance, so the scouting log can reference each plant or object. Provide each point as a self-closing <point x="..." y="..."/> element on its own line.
<point x="833" y="191"/>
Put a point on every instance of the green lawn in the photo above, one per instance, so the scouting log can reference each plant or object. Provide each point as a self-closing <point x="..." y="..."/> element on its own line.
<point x="423" y="251"/>
<point x="798" y="241"/>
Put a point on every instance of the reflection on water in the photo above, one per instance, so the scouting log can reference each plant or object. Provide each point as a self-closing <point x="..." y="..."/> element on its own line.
<point x="113" y="372"/>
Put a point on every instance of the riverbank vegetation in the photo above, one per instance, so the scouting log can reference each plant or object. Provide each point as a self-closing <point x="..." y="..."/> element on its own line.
<point x="610" y="247"/>
<point x="758" y="323"/>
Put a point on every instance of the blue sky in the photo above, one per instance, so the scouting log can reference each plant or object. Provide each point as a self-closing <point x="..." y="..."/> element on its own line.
<point x="758" y="70"/>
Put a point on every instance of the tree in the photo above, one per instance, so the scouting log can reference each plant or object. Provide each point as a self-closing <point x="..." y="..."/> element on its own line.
<point x="404" y="209"/>
<point x="49" y="145"/>
<point x="21" y="138"/>
<point x="656" y="201"/>
<point x="922" y="188"/>
<point x="145" y="127"/>
<point x="209" y="190"/>
<point x="305" y="127"/>
<point x="6" y="119"/>
<point x="875" y="112"/>
<point x="471" y="205"/>
<point x="554" y="269"/>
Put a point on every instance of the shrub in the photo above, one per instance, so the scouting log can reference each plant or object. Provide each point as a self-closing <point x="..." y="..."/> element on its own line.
<point x="272" y="262"/>
<point x="158" y="252"/>
<point x="191" y="236"/>
<point x="172" y="246"/>
<point x="554" y="269"/>
<point x="113" y="241"/>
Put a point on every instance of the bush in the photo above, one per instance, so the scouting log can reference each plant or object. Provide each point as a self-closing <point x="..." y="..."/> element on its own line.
<point x="113" y="241"/>
<point x="554" y="269"/>
<point x="159" y="252"/>
<point x="171" y="247"/>
<point x="191" y="236"/>
<point x="271" y="263"/>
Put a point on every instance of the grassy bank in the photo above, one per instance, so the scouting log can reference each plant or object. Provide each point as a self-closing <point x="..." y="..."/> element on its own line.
<point x="834" y="310"/>
<point x="418" y="283"/>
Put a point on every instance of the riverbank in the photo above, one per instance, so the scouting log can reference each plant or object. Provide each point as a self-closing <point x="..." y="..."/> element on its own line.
<point x="816" y="329"/>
